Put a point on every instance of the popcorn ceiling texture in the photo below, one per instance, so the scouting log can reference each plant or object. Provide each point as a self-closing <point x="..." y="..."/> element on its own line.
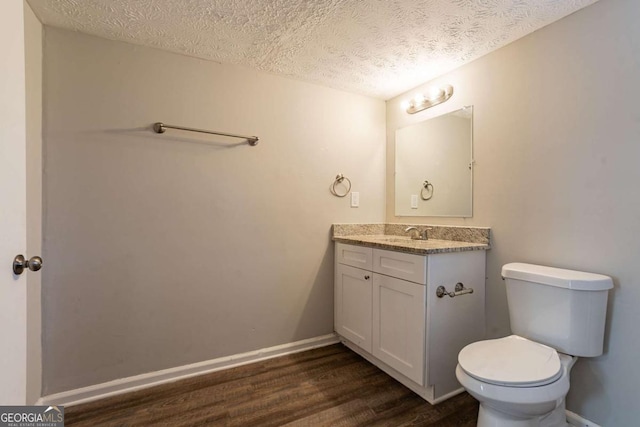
<point x="379" y="48"/>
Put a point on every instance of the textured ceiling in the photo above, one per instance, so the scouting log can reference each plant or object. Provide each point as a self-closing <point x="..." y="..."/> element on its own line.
<point x="379" y="48"/>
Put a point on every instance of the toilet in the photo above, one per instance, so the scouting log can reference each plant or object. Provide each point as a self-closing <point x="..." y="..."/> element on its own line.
<point x="556" y="316"/>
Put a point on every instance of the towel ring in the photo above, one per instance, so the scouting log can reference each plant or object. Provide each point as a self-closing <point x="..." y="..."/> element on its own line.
<point x="425" y="186"/>
<point x="339" y="179"/>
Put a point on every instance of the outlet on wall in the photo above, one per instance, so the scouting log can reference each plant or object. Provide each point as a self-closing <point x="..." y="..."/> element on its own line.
<point x="355" y="199"/>
<point x="414" y="201"/>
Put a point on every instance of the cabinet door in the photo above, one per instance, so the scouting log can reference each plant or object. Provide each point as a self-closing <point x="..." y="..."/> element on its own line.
<point x="353" y="305"/>
<point x="399" y="310"/>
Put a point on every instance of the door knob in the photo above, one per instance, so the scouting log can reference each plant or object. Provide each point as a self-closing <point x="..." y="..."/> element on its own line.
<point x="20" y="262"/>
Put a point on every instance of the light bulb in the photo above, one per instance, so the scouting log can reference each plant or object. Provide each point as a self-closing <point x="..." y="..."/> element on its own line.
<point x="405" y="104"/>
<point x="418" y="99"/>
<point x="435" y="93"/>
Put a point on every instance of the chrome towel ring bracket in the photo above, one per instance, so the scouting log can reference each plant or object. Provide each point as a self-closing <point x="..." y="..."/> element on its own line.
<point x="428" y="187"/>
<point x="340" y="178"/>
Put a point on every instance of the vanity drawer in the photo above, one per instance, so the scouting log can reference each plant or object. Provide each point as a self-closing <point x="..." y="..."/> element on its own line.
<point x="403" y="266"/>
<point x="355" y="256"/>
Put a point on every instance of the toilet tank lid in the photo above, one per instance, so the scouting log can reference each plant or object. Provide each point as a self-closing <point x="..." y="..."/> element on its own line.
<point x="570" y="279"/>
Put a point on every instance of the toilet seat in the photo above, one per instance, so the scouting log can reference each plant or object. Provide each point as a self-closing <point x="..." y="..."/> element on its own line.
<point x="512" y="361"/>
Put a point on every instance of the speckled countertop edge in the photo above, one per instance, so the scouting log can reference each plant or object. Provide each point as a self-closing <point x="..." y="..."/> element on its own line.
<point x="442" y="239"/>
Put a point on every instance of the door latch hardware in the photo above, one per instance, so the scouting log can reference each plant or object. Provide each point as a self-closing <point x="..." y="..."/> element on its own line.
<point x="20" y="263"/>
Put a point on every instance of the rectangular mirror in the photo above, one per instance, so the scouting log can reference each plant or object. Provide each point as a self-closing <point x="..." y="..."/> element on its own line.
<point x="434" y="166"/>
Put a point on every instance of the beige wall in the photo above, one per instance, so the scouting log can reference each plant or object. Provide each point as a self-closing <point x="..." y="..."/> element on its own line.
<point x="164" y="250"/>
<point x="33" y="80"/>
<point x="557" y="145"/>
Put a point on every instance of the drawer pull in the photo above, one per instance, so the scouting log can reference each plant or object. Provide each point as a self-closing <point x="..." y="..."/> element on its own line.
<point x="366" y="277"/>
<point x="459" y="290"/>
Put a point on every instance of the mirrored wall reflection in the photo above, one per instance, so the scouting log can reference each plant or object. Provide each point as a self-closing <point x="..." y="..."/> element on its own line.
<point x="434" y="175"/>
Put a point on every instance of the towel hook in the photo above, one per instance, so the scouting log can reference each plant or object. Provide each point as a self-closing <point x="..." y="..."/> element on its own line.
<point x="339" y="179"/>
<point x="425" y="186"/>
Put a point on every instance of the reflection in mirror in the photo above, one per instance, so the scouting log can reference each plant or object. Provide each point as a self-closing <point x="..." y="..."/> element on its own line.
<point x="434" y="175"/>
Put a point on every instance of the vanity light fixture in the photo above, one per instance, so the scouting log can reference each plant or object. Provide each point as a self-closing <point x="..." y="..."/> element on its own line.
<point x="435" y="95"/>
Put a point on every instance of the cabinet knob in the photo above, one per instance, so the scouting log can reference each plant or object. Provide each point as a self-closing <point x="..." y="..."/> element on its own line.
<point x="366" y="277"/>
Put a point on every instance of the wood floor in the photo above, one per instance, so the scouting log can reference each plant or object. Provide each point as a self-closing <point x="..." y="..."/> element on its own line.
<point x="329" y="386"/>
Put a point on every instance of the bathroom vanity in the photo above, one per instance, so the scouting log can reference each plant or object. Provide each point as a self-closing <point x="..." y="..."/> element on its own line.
<point x="387" y="308"/>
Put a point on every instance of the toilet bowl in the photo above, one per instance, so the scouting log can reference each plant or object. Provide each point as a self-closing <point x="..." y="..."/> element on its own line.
<point x="556" y="316"/>
<point x="518" y="382"/>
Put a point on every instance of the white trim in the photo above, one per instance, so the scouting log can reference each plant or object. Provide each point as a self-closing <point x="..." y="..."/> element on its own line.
<point x="447" y="396"/>
<point x="138" y="382"/>
<point x="576" y="420"/>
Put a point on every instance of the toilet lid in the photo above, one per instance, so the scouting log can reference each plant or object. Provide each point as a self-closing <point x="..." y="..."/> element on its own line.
<point x="511" y="361"/>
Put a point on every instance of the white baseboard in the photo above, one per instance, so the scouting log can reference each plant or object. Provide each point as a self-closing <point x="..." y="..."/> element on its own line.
<point x="138" y="382"/>
<point x="576" y="420"/>
<point x="447" y="396"/>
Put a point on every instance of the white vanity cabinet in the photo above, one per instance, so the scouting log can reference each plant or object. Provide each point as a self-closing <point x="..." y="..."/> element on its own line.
<point x="386" y="309"/>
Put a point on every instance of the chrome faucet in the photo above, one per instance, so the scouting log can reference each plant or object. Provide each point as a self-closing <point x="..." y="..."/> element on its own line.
<point x="418" y="235"/>
<point x="414" y="236"/>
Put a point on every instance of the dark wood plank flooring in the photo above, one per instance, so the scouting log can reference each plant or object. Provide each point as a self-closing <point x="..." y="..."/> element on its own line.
<point x="329" y="386"/>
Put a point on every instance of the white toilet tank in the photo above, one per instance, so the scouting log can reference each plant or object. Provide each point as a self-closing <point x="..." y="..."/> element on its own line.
<point x="564" y="309"/>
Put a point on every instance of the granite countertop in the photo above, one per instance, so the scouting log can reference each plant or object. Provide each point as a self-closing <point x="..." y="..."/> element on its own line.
<point x="387" y="236"/>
